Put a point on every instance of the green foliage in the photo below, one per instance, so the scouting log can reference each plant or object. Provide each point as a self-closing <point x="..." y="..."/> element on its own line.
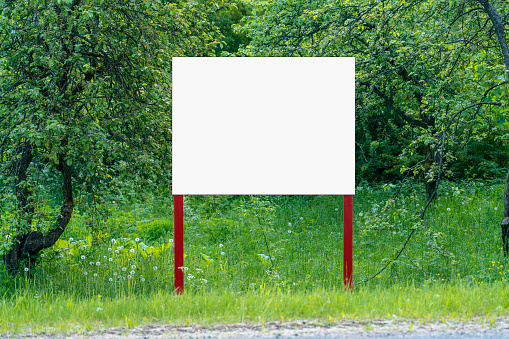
<point x="288" y="242"/>
<point x="155" y="229"/>
<point x="224" y="16"/>
<point x="86" y="85"/>
<point x="418" y="63"/>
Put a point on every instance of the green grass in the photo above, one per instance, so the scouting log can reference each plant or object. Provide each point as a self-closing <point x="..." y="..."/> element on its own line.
<point x="64" y="313"/>
<point x="273" y="246"/>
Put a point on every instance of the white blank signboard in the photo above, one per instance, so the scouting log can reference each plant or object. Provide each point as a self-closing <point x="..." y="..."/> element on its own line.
<point x="263" y="126"/>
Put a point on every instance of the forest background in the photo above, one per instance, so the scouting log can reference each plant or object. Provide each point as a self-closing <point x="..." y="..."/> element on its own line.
<point x="85" y="111"/>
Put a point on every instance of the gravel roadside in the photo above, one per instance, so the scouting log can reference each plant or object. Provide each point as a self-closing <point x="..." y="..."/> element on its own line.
<point x="290" y="328"/>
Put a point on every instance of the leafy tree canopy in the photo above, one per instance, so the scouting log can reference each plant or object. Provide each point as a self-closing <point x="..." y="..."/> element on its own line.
<point x="85" y="89"/>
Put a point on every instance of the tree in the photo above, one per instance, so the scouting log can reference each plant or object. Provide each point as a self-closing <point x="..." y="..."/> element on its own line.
<point x="412" y="59"/>
<point x="86" y="90"/>
<point x="498" y="27"/>
<point x="429" y="78"/>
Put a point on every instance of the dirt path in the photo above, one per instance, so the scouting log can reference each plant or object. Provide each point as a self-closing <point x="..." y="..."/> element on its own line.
<point x="291" y="328"/>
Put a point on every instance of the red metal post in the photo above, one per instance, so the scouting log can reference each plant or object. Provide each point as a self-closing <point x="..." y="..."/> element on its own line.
<point x="178" y="226"/>
<point x="347" y="240"/>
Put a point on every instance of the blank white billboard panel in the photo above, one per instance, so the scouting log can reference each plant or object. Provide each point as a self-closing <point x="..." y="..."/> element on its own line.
<point x="263" y="126"/>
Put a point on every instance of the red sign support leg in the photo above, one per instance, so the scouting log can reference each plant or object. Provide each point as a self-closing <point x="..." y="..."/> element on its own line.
<point x="347" y="240"/>
<point x="178" y="226"/>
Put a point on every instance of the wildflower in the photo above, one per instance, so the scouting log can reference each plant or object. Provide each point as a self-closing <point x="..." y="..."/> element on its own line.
<point x="120" y="248"/>
<point x="132" y="272"/>
<point x="98" y="309"/>
<point x="142" y="279"/>
<point x="131" y="250"/>
<point x="133" y="267"/>
<point x="91" y="263"/>
<point x="124" y="269"/>
<point x="7" y="236"/>
<point x="203" y="281"/>
<point x="448" y="209"/>
<point x="137" y="239"/>
<point x="186" y="268"/>
<point x="220" y="245"/>
<point x="360" y="214"/>
<point x="190" y="276"/>
<point x="95" y="274"/>
<point x="301" y="218"/>
<point x="222" y="253"/>
<point x="42" y="255"/>
<point x="97" y="263"/>
<point x="171" y="240"/>
<point x="109" y="248"/>
<point x="115" y="273"/>
<point x="128" y="277"/>
<point x="417" y="205"/>
<point x="110" y="259"/>
<point x="289" y="231"/>
<point x="105" y="257"/>
<point x="116" y="251"/>
<point x="290" y="224"/>
<point x="155" y="268"/>
<point x="85" y="273"/>
<point x="336" y="209"/>
<point x="496" y="208"/>
<point x="83" y="257"/>
<point x="113" y="241"/>
<point x="71" y="239"/>
<point x="114" y="202"/>
<point x="26" y="269"/>
<point x="199" y="270"/>
<point x="110" y="279"/>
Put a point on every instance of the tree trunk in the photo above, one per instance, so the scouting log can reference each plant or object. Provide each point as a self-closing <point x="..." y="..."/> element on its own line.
<point x="496" y="20"/>
<point x="27" y="243"/>
<point x="505" y="221"/>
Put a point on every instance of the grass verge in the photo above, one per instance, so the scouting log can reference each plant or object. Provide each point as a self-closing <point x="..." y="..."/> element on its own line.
<point x="26" y="311"/>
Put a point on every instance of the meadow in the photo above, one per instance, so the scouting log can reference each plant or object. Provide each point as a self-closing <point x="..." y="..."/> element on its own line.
<point x="266" y="247"/>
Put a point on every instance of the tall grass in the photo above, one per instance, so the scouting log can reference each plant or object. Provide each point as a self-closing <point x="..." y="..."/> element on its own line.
<point x="239" y="243"/>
